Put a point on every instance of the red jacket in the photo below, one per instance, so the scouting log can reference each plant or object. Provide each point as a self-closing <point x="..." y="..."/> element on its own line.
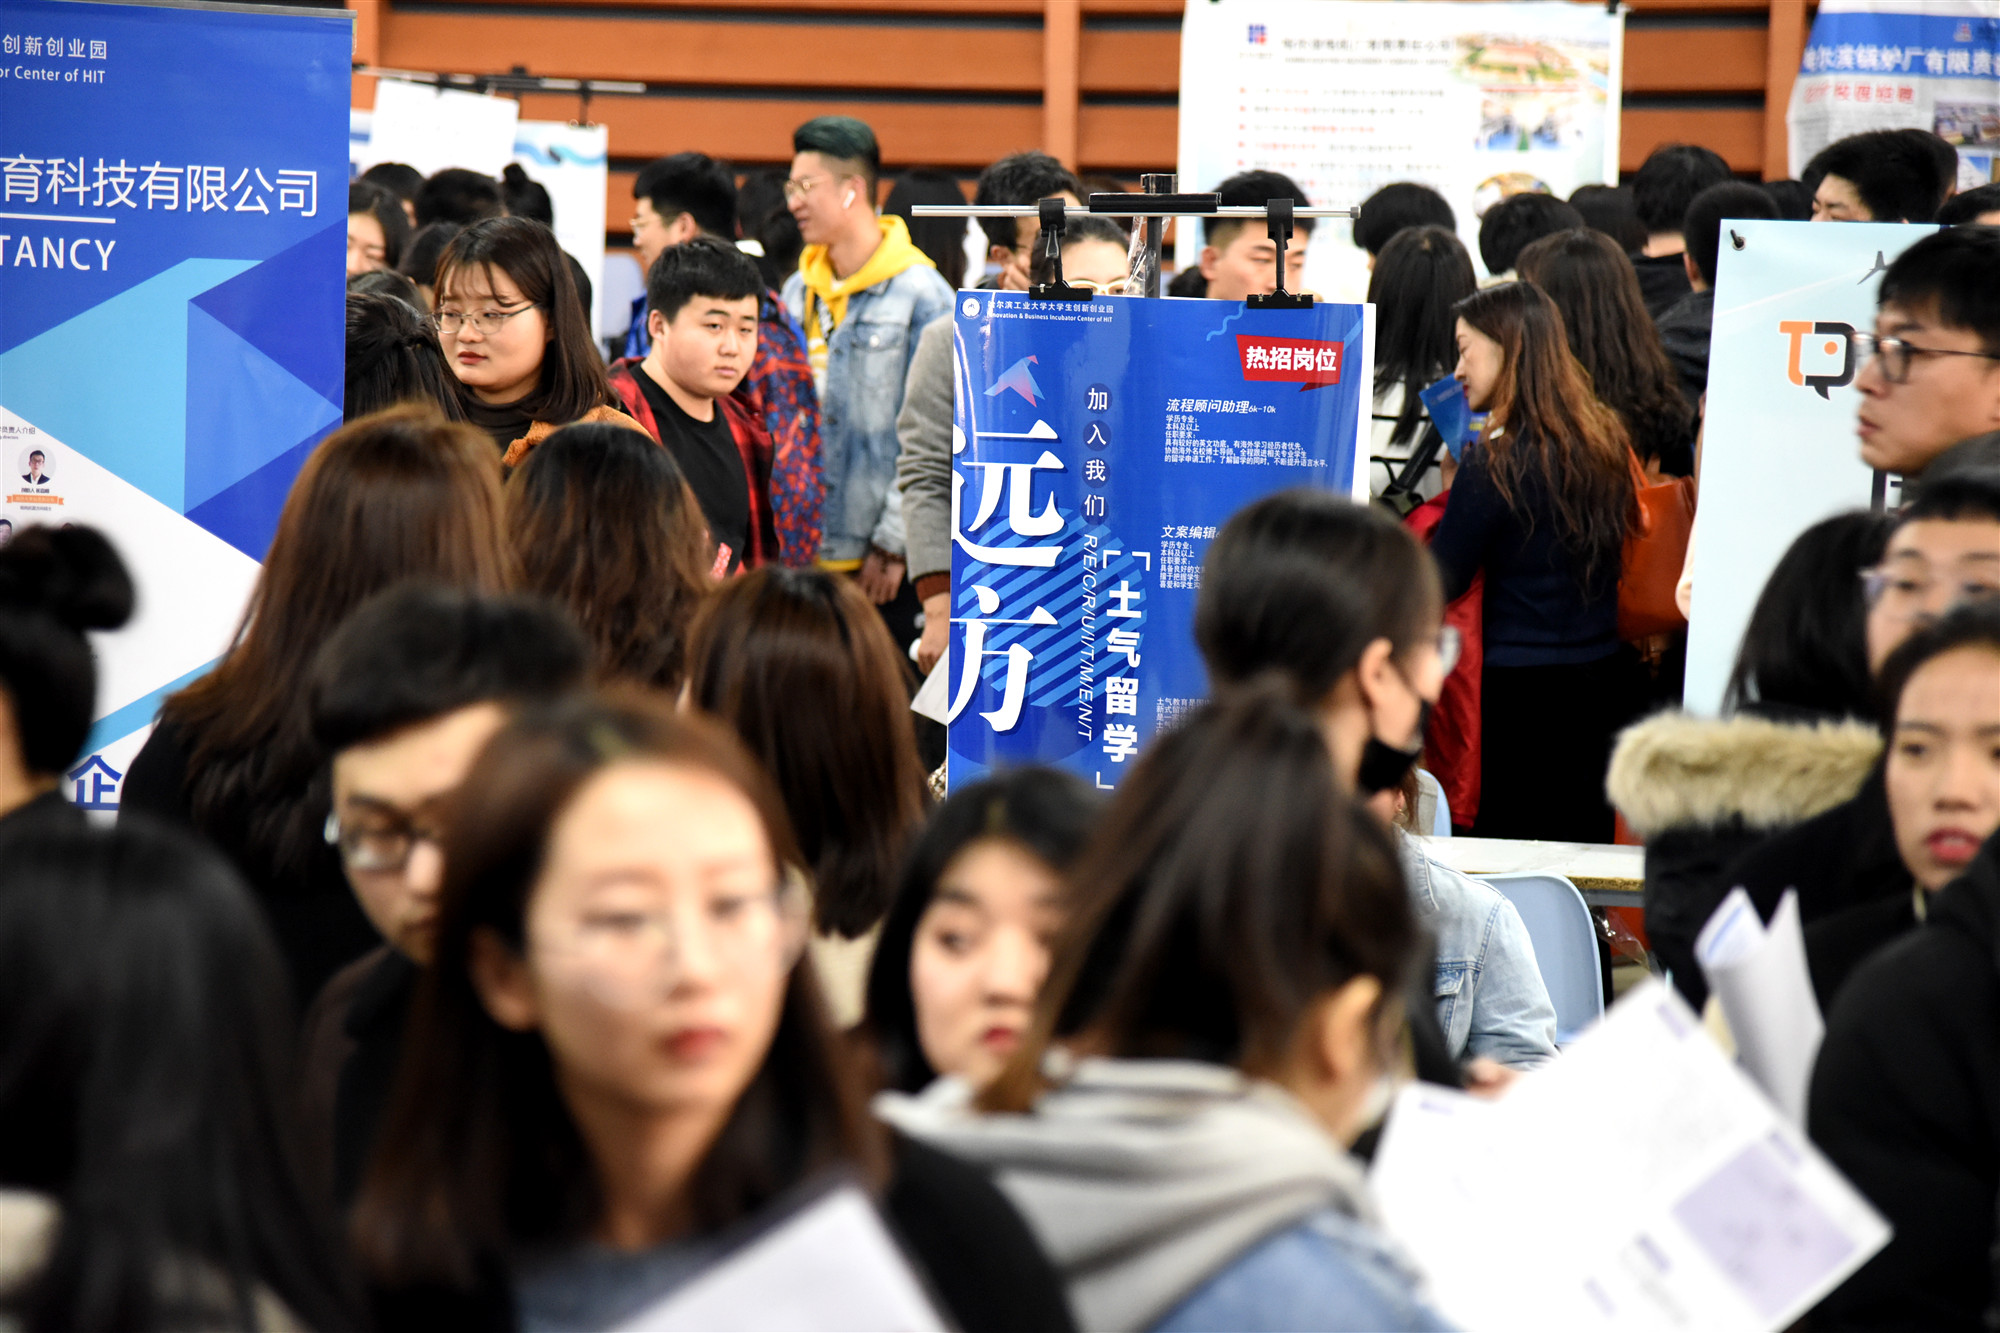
<point x="1451" y="742"/>
<point x="752" y="442"/>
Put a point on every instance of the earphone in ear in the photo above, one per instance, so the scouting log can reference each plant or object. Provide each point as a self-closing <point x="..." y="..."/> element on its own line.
<point x="849" y="201"/>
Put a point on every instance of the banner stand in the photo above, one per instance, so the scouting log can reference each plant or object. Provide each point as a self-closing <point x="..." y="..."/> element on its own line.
<point x="1099" y="443"/>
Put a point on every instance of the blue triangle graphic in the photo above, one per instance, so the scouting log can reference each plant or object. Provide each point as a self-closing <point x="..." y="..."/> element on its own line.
<point x="284" y="306"/>
<point x="246" y="515"/>
<point x="134" y="423"/>
<point x="243" y="409"/>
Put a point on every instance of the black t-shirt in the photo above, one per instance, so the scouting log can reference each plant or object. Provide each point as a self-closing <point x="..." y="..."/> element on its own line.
<point x="706" y="452"/>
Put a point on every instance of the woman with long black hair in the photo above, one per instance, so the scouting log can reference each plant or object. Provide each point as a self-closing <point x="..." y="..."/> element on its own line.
<point x="1419" y="276"/>
<point x="1542" y="504"/>
<point x="620" y="1051"/>
<point x="1219" y="1024"/>
<point x="149" y="1176"/>
<point x="1596" y="288"/>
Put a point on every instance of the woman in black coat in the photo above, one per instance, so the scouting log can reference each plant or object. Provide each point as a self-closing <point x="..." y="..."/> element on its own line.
<point x="1906" y="1102"/>
<point x="1796" y="741"/>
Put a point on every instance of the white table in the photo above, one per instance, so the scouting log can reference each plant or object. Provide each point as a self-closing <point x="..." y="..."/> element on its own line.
<point x="1607" y="875"/>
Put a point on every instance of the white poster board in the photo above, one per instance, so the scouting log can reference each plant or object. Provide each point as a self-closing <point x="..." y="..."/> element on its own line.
<point x="1476" y="100"/>
<point x="1902" y="64"/>
<point x="569" y="160"/>
<point x="432" y="128"/>
<point x="1781" y="452"/>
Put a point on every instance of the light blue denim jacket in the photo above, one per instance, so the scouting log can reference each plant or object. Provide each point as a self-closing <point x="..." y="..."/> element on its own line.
<point x="1327" y="1272"/>
<point x="1490" y="996"/>
<point x="868" y="359"/>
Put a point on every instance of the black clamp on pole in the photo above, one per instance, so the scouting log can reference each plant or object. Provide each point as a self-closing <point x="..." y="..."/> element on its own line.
<point x="1278" y="215"/>
<point x="1050" y="244"/>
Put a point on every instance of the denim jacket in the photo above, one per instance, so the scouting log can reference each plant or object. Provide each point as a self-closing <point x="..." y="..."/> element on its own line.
<point x="868" y="360"/>
<point x="1329" y="1271"/>
<point x="1490" y="996"/>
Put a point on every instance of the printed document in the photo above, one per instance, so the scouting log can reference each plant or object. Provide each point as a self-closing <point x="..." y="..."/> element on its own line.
<point x="1639" y="1182"/>
<point x="830" y="1267"/>
<point x="1758" y="975"/>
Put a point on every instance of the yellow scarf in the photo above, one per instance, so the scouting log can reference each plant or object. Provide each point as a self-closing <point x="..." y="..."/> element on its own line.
<point x="825" y="292"/>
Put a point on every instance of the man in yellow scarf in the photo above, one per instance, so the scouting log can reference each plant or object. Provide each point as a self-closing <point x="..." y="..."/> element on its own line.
<point x="862" y="294"/>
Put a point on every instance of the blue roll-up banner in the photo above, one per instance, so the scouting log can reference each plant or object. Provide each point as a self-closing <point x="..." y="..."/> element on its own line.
<point x="1098" y="446"/>
<point x="172" y="250"/>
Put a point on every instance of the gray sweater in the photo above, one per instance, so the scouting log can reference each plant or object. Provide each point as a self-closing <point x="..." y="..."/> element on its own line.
<point x="1144" y="1178"/>
<point x="923" y="466"/>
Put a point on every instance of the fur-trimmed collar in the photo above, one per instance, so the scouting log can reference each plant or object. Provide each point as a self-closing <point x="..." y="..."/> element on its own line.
<point x="1674" y="770"/>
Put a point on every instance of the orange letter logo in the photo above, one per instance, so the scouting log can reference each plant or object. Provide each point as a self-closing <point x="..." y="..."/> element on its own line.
<point x="1797" y="329"/>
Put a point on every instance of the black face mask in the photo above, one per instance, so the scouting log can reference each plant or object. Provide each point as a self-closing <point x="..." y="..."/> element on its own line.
<point x="1383" y="765"/>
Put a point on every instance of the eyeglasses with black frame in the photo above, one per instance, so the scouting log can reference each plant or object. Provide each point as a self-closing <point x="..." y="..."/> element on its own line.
<point x="1896" y="354"/>
<point x="378" y="848"/>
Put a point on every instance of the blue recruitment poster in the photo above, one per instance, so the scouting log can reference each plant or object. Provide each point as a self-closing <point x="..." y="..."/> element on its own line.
<point x="1097" y="448"/>
<point x="1901" y="64"/>
<point x="171" y="298"/>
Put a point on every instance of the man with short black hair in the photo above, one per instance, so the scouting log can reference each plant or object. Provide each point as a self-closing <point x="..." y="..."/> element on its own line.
<point x="703" y="298"/>
<point x="400" y="179"/>
<point x="1663" y="188"/>
<point x="458" y="195"/>
<point x="1022" y="178"/>
<point x="1517" y="222"/>
<point x="1238" y="258"/>
<point x="404" y="696"/>
<point x="1976" y="207"/>
<point x="1934" y="379"/>
<point x="674" y="200"/>
<point x="1684" y="327"/>
<point x="1876" y="176"/>
<point x="1398" y="207"/>
<point x="862" y="293"/>
<point x="689" y="195"/>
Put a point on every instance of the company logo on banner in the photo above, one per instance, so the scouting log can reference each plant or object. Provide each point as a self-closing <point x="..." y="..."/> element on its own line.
<point x="1840" y="345"/>
<point x="1096" y="450"/>
<point x="171" y="298"/>
<point x="1780" y="452"/>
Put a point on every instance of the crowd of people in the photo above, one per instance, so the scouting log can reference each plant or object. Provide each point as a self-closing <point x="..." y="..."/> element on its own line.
<point x="545" y="887"/>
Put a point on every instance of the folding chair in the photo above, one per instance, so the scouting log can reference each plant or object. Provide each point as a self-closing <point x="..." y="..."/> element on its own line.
<point x="1565" y="938"/>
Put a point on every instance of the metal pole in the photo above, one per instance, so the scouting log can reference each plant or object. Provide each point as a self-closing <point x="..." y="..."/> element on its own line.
<point x="1138" y="210"/>
<point x="1144" y="273"/>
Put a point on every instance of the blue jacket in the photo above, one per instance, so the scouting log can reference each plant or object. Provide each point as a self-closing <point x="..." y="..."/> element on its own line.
<point x="868" y="360"/>
<point x="1490" y="996"/>
<point x="1329" y="1271"/>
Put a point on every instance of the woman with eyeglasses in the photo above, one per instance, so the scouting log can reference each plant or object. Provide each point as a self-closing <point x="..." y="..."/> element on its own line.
<point x="1094" y="256"/>
<point x="1542" y="503"/>
<point x="1341" y="601"/>
<point x="620" y="1056"/>
<point x="1855" y="865"/>
<point x="517" y="335"/>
